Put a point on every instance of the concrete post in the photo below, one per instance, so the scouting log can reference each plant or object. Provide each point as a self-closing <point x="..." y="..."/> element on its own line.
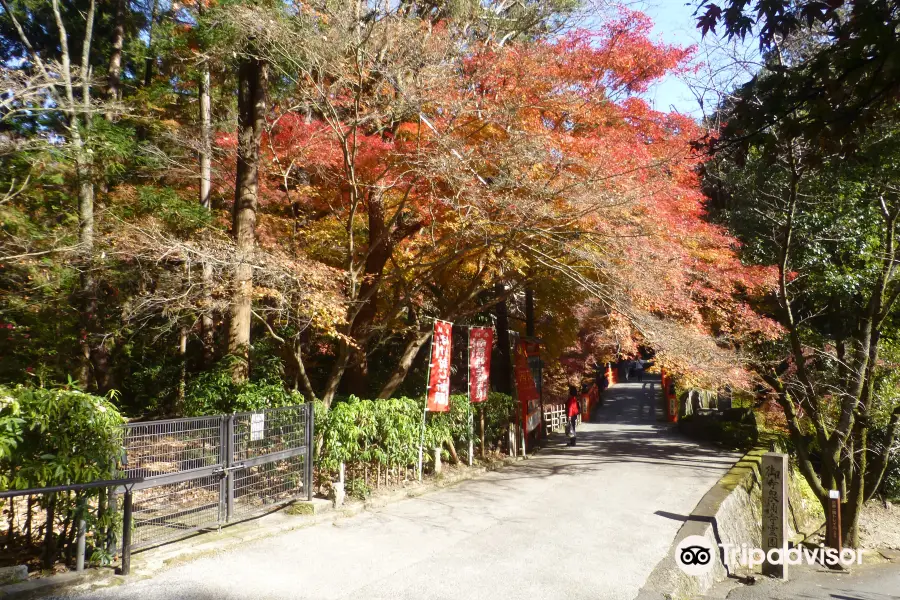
<point x="437" y="460"/>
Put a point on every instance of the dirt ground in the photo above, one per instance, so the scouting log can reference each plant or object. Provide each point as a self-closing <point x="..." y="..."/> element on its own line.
<point x="879" y="525"/>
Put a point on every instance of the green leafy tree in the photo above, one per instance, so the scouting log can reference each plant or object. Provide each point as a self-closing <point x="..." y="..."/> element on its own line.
<point x="829" y="222"/>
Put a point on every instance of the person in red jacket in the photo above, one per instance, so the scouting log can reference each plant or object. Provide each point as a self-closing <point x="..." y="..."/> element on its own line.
<point x="573" y="410"/>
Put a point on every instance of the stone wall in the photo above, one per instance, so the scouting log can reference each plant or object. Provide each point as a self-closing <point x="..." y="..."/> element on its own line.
<point x="731" y="513"/>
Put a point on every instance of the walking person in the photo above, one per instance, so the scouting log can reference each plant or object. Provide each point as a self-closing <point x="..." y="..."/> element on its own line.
<point x="573" y="410"/>
<point x="639" y="369"/>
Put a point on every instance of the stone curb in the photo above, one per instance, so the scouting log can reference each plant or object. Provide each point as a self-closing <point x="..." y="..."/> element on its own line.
<point x="727" y="513"/>
<point x="294" y="516"/>
<point x="668" y="581"/>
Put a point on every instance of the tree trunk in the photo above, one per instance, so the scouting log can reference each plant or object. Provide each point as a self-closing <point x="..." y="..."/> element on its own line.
<point x="205" y="137"/>
<point x="413" y="345"/>
<point x="381" y="246"/>
<point x="148" y="62"/>
<point x="502" y="366"/>
<point x="337" y="372"/>
<point x="178" y="408"/>
<point x="91" y="353"/>
<point x="252" y="79"/>
<point x="114" y="73"/>
<point x="207" y="322"/>
<point x="358" y="372"/>
<point x="451" y="449"/>
<point x="852" y="507"/>
<point x="302" y="377"/>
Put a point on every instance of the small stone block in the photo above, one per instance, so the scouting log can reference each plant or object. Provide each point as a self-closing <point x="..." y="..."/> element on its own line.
<point x="301" y="509"/>
<point x="13" y="574"/>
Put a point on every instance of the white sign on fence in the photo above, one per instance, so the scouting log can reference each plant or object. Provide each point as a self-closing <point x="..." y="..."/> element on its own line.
<point x="257" y="426"/>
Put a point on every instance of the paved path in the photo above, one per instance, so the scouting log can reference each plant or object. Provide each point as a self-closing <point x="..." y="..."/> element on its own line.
<point x="868" y="582"/>
<point x="586" y="522"/>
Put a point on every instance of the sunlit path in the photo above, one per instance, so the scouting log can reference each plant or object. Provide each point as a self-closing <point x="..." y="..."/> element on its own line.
<point x="586" y="522"/>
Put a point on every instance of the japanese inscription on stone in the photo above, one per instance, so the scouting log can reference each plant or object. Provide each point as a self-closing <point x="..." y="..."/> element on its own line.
<point x="774" y="472"/>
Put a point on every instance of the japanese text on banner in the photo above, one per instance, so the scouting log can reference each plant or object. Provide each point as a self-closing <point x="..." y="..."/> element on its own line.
<point x="439" y="373"/>
<point x="481" y="340"/>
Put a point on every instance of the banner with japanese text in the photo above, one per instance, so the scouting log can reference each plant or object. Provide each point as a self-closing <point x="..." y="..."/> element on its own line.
<point x="527" y="392"/>
<point x="439" y="368"/>
<point x="481" y="340"/>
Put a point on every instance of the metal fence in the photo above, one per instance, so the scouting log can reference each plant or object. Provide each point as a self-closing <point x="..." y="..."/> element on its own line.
<point x="202" y="472"/>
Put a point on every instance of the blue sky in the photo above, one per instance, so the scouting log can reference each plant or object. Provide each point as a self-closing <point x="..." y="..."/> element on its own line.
<point x="675" y="24"/>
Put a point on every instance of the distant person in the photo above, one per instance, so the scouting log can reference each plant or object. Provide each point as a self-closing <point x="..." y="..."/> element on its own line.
<point x="572" y="411"/>
<point x="602" y="384"/>
<point x="639" y="370"/>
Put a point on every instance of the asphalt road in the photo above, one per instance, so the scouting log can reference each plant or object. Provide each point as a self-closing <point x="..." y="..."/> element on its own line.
<point x="585" y="522"/>
<point x="868" y="582"/>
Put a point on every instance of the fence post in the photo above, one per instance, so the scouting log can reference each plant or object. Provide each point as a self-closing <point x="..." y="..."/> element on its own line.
<point x="82" y="533"/>
<point x="483" y="449"/>
<point x="229" y="471"/>
<point x="310" y="440"/>
<point x="112" y="509"/>
<point x="126" y="534"/>
<point x="471" y="433"/>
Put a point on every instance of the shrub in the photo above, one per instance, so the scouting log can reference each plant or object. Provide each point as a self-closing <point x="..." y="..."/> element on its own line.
<point x="67" y="436"/>
<point x="385" y="434"/>
<point x="54" y="437"/>
<point x="214" y="392"/>
<point x="498" y="410"/>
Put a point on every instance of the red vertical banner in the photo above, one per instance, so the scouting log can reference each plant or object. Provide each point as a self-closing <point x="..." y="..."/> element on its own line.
<point x="481" y="340"/>
<point x="527" y="393"/>
<point x="439" y="368"/>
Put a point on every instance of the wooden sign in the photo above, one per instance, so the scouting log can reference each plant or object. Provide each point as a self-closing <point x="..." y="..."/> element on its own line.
<point x="774" y="510"/>
<point x="833" y="521"/>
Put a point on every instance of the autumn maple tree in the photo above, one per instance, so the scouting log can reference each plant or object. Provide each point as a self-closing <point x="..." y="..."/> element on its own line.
<point x="378" y="168"/>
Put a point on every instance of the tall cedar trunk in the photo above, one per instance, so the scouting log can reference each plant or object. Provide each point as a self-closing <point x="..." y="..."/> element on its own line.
<point x="252" y="79"/>
<point x="380" y="249"/>
<point x="94" y="366"/>
<point x="413" y="345"/>
<point x="83" y="166"/>
<point x="502" y="366"/>
<point x="207" y="322"/>
<point x="114" y="73"/>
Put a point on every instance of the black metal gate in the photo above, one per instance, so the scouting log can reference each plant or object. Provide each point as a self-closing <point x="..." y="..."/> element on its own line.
<point x="202" y="472"/>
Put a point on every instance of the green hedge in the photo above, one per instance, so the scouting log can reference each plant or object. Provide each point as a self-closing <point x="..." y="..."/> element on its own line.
<point x="385" y="434"/>
<point x="54" y="437"/>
